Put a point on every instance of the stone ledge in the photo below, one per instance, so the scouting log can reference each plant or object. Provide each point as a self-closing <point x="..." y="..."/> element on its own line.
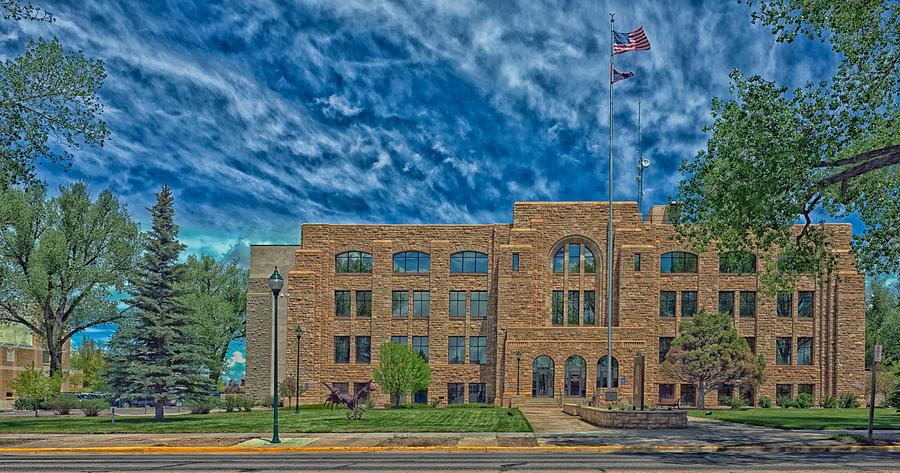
<point x="618" y="419"/>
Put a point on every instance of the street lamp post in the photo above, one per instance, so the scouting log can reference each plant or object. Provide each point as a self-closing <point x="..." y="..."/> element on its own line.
<point x="518" y="359"/>
<point x="276" y="283"/>
<point x="298" y="332"/>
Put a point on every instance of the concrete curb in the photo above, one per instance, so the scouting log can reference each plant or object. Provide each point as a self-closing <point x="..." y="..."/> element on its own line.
<point x="457" y="449"/>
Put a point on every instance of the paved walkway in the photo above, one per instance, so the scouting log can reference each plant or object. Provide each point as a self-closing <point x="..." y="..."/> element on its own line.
<point x="553" y="420"/>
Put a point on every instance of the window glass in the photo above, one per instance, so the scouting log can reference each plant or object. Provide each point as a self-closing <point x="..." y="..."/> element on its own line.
<point x="688" y="303"/>
<point x="784" y="390"/>
<point x="667" y="304"/>
<point x="421" y="303"/>
<point x="468" y="262"/>
<point x="559" y="260"/>
<point x="456" y="352"/>
<point x="678" y="262"/>
<point x="664" y="344"/>
<point x="637" y="261"/>
<point x="737" y="262"/>
<point x="748" y="304"/>
<point x="342" y="349"/>
<point x="420" y="345"/>
<point x="805" y="389"/>
<point x="363" y="349"/>
<point x="477" y="350"/>
<point x="783" y="351"/>
<point x="420" y="397"/>
<point x="399" y="339"/>
<point x="724" y="394"/>
<point x="574" y="307"/>
<point x="412" y="262"/>
<point x="688" y="394"/>
<point x="363" y="303"/>
<point x="476" y="393"/>
<point x="666" y="392"/>
<point x="342" y="303"/>
<point x="557" y="308"/>
<point x="602" y="372"/>
<point x="515" y="261"/>
<point x="399" y="303"/>
<point x="574" y="258"/>
<point x="456" y="393"/>
<point x="457" y="303"/>
<point x="589" y="314"/>
<point x="805" y="303"/>
<point x="353" y="262"/>
<point x="751" y="341"/>
<point x="343" y="388"/>
<point x="478" y="304"/>
<point x="726" y="302"/>
<point x="785" y="304"/>
<point x="804" y="350"/>
<point x="590" y="266"/>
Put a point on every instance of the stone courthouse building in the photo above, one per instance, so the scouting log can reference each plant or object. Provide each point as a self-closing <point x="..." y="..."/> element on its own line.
<point x="517" y="309"/>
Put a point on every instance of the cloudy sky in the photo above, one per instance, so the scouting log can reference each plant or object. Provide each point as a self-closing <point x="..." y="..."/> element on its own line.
<point x="263" y="115"/>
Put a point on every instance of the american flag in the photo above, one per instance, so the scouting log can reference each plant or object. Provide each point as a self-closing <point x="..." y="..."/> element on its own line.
<point x="616" y="76"/>
<point x="634" y="41"/>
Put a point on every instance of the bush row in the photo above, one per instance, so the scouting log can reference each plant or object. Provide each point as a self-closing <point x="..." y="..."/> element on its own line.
<point x="805" y="401"/>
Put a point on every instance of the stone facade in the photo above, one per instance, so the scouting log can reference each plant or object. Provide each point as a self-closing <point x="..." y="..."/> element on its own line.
<point x="618" y="419"/>
<point x="17" y="354"/>
<point x="520" y="306"/>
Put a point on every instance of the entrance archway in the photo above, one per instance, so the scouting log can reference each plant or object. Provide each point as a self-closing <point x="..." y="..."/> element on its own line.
<point x="542" y="377"/>
<point x="575" y="374"/>
<point x="601" y="373"/>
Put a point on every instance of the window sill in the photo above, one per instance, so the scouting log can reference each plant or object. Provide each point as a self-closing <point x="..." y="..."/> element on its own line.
<point x="468" y="274"/>
<point x="353" y="274"/>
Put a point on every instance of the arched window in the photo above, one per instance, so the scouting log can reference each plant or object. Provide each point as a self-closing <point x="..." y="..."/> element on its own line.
<point x="601" y="373"/>
<point x="678" y="262"/>
<point x="412" y="262"/>
<point x="559" y="261"/>
<point x="737" y="262"/>
<point x="542" y="377"/>
<point x="575" y="374"/>
<point x="590" y="266"/>
<point x="572" y="257"/>
<point x="353" y="262"/>
<point x="468" y="262"/>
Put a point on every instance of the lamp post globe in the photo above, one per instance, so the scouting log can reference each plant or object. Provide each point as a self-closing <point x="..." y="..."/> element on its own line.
<point x="298" y="332"/>
<point x="276" y="283"/>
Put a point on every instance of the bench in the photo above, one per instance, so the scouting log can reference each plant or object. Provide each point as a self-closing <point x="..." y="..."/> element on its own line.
<point x="670" y="403"/>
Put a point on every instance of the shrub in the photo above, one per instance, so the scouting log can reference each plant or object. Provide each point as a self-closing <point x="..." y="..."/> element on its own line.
<point x="735" y="402"/>
<point x="848" y="400"/>
<point x="24" y="404"/>
<point x="803" y="401"/>
<point x="268" y="401"/>
<point x="893" y="399"/>
<point x="784" y="401"/>
<point x="202" y="405"/>
<point x="63" y="404"/>
<point x="237" y="402"/>
<point x="765" y="402"/>
<point x="828" y="402"/>
<point x="92" y="407"/>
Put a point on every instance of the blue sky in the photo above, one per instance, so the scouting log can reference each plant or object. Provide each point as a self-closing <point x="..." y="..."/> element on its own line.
<point x="263" y="115"/>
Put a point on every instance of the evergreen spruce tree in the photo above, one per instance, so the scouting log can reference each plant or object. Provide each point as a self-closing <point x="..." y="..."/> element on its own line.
<point x="154" y="353"/>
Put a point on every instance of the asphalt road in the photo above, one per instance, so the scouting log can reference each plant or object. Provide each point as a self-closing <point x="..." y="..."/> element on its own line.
<point x="469" y="462"/>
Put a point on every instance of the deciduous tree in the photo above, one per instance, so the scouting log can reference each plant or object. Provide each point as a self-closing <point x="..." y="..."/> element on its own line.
<point x="36" y="386"/>
<point x="401" y="371"/>
<point x="89" y="360"/>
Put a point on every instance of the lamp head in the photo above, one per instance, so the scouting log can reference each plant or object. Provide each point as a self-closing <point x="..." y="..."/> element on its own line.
<point x="298" y="331"/>
<point x="276" y="282"/>
<point x="645" y="163"/>
<point x="518" y="355"/>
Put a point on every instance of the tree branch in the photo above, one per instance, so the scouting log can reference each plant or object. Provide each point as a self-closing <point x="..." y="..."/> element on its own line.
<point x="877" y="153"/>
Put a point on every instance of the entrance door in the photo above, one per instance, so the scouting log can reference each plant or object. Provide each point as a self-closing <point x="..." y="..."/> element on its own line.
<point x="542" y="377"/>
<point x="575" y="374"/>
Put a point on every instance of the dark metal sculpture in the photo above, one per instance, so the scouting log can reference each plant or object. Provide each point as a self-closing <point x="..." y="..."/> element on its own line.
<point x="355" y="404"/>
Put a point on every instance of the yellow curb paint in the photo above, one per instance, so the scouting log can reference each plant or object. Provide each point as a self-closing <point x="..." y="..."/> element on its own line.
<point x="595" y="449"/>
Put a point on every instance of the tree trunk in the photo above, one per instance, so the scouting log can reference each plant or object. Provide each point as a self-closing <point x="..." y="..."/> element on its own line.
<point x="160" y="412"/>
<point x="56" y="352"/>
<point x="215" y="379"/>
<point x="701" y="393"/>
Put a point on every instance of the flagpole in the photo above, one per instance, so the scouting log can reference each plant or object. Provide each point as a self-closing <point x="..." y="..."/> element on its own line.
<point x="609" y="236"/>
<point x="640" y="164"/>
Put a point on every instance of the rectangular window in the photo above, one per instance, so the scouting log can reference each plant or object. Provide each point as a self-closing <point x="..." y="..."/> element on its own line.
<point x="421" y="303"/>
<point x="399" y="339"/>
<point x="557" y="307"/>
<point x="478" y="304"/>
<point x="667" y="303"/>
<point x="688" y="395"/>
<point x="476" y="393"/>
<point x="45" y="357"/>
<point x="688" y="303"/>
<point x="724" y="394"/>
<point x="664" y="344"/>
<point x="342" y="349"/>
<point x="357" y="387"/>
<point x="342" y="303"/>
<point x="666" y="392"/>
<point x="420" y="397"/>
<point x="805" y="303"/>
<point x="748" y="304"/>
<point x="784" y="390"/>
<point x="590" y="316"/>
<point x="515" y="261"/>
<point x="574" y="307"/>
<point x="726" y="302"/>
<point x="574" y="258"/>
<point x="457" y="303"/>
<point x="806" y="389"/>
<point x="477" y="350"/>
<point x="10" y="354"/>
<point x="783" y="351"/>
<point x="399" y="303"/>
<point x="456" y="393"/>
<point x="363" y="350"/>
<point x="752" y="342"/>
<point x="637" y="261"/>
<point x="343" y="388"/>
<point x="785" y="304"/>
<point x="363" y="303"/>
<point x="420" y="346"/>
<point x="456" y="350"/>
<point x="804" y="350"/>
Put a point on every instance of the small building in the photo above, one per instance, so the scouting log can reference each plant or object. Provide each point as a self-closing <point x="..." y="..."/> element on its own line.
<point x="19" y="349"/>
<point x="518" y="309"/>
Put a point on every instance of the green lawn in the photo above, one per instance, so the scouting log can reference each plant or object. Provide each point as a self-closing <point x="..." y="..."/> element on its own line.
<point x="816" y="419"/>
<point x="463" y="419"/>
